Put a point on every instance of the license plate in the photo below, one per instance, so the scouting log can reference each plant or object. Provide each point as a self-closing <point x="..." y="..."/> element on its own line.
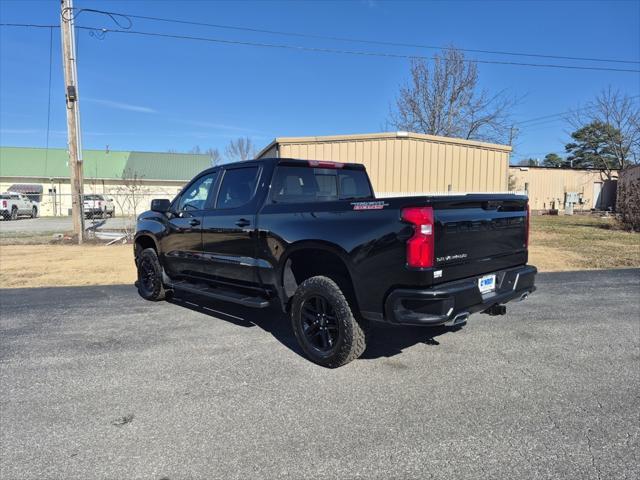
<point x="487" y="283"/>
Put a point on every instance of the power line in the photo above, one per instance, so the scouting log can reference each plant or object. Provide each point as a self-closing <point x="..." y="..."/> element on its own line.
<point x="128" y="17"/>
<point x="553" y="115"/>
<point x="529" y="126"/>
<point x="344" y="52"/>
<point x="67" y="15"/>
<point x="104" y="31"/>
<point x="559" y="114"/>
<point x="544" y="123"/>
<point x="28" y="25"/>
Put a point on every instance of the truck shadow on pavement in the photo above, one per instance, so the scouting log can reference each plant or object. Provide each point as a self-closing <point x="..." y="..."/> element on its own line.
<point x="385" y="340"/>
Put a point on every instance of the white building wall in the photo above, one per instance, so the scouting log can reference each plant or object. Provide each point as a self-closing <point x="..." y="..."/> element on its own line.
<point x="56" y="193"/>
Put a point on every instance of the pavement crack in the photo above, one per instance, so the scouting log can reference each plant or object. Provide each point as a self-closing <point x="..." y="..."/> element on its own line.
<point x="593" y="458"/>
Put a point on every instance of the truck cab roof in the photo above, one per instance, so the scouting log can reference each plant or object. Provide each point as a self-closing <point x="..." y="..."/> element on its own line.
<point x="292" y="162"/>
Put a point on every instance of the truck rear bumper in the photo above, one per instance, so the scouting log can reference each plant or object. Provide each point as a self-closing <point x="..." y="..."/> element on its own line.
<point x="93" y="211"/>
<point x="452" y="302"/>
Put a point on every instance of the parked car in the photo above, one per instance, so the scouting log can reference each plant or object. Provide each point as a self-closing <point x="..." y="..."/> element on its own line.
<point x="14" y="205"/>
<point x="98" y="206"/>
<point x="312" y="237"/>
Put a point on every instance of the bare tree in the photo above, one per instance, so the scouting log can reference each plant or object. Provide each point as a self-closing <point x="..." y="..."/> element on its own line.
<point x="621" y="113"/>
<point x="445" y="99"/>
<point x="128" y="196"/>
<point x="240" y="149"/>
<point x="214" y="155"/>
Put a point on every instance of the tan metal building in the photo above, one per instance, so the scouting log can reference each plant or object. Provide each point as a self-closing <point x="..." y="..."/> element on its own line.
<point x="548" y="187"/>
<point x="403" y="163"/>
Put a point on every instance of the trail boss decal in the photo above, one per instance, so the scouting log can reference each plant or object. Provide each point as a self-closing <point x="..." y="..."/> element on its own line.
<point x="369" y="205"/>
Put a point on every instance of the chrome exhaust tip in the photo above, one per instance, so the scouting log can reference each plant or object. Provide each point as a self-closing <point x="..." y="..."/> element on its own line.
<point x="524" y="296"/>
<point x="460" y="318"/>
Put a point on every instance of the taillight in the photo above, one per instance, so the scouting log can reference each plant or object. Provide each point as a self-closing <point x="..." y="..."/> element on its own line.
<point x="420" y="245"/>
<point x="321" y="164"/>
<point x="4" y="204"/>
<point x="527" y="225"/>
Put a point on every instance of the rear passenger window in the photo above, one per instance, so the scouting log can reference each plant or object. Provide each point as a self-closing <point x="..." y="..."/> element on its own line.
<point x="238" y="187"/>
<point x="306" y="184"/>
<point x="354" y="184"/>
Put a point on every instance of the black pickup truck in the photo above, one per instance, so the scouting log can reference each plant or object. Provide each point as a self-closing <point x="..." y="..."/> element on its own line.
<point x="311" y="236"/>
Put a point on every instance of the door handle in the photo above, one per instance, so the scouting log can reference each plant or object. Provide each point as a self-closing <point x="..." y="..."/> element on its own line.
<point x="194" y="222"/>
<point x="243" y="222"/>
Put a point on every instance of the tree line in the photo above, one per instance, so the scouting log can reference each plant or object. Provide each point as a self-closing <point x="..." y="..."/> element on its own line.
<point x="237" y="150"/>
<point x="606" y="135"/>
<point x="444" y="98"/>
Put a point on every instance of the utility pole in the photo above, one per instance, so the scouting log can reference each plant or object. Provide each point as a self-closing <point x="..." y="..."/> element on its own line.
<point x="73" y="115"/>
<point x="512" y="134"/>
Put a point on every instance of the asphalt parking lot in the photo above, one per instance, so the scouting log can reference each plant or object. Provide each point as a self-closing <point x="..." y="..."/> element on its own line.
<point x="97" y="383"/>
<point x="55" y="224"/>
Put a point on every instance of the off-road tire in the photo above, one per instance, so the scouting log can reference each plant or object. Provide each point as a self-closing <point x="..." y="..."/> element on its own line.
<point x="14" y="213"/>
<point x="149" y="282"/>
<point x="34" y="212"/>
<point x="351" y="341"/>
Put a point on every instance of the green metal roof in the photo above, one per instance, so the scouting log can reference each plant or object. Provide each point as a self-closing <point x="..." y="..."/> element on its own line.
<point x="54" y="163"/>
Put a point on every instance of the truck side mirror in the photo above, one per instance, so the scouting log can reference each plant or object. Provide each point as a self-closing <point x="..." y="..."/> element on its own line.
<point x="160" y="205"/>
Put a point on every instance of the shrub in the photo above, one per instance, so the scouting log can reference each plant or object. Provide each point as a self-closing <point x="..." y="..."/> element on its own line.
<point x="628" y="201"/>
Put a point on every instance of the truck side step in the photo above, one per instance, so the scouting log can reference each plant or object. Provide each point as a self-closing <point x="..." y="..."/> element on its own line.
<point x="221" y="294"/>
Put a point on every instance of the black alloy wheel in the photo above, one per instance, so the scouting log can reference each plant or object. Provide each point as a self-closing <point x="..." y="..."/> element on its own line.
<point x="325" y="326"/>
<point x="150" y="286"/>
<point x="319" y="323"/>
<point x="147" y="275"/>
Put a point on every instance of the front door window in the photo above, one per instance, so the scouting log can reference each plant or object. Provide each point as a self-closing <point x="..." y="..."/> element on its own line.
<point x="197" y="194"/>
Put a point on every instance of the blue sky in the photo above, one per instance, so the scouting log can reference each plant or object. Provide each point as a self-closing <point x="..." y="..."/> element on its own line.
<point x="158" y="94"/>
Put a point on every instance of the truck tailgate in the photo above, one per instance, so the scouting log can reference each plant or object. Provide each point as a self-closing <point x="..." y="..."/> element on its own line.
<point x="474" y="231"/>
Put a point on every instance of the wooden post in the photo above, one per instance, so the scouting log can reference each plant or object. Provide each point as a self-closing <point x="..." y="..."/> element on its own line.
<point x="73" y="116"/>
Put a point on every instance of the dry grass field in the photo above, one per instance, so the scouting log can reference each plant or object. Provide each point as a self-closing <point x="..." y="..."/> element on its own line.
<point x="557" y="244"/>
<point x="65" y="265"/>
<point x="581" y="242"/>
